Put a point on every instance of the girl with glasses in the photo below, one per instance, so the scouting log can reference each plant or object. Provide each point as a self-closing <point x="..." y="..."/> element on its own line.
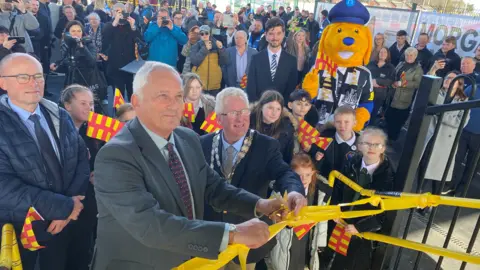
<point x="371" y="169"/>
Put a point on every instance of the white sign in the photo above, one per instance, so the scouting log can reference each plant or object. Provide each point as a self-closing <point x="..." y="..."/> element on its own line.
<point x="438" y="26"/>
<point x="382" y="20"/>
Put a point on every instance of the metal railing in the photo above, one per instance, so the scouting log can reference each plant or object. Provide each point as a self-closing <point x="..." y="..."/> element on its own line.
<point x="424" y="110"/>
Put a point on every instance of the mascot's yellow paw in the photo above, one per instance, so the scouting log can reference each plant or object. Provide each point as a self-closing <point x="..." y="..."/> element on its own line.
<point x="362" y="116"/>
<point x="310" y="83"/>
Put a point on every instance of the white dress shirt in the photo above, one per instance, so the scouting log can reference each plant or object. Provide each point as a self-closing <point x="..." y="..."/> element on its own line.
<point x="350" y="142"/>
<point x="370" y="168"/>
<point x="270" y="54"/>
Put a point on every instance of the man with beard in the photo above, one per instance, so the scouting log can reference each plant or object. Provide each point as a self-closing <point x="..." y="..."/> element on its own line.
<point x="272" y="68"/>
<point x="248" y="160"/>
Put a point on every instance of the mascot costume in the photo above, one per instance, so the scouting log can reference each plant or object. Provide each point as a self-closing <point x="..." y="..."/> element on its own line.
<point x="339" y="77"/>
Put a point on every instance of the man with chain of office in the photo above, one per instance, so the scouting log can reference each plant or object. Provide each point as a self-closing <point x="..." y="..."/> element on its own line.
<point x="248" y="160"/>
<point x="339" y="77"/>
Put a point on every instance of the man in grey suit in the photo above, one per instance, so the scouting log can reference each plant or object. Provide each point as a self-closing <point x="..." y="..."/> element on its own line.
<point x="239" y="58"/>
<point x="151" y="183"/>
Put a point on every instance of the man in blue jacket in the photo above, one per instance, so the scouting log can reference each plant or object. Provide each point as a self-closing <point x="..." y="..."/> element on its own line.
<point x="43" y="163"/>
<point x="164" y="38"/>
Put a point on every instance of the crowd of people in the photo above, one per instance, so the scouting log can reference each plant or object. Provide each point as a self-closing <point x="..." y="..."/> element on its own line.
<point x="163" y="189"/>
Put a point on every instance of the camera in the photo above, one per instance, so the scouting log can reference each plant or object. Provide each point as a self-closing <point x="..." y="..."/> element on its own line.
<point x="20" y="40"/>
<point x="70" y="41"/>
<point x="125" y="15"/>
<point x="165" y="21"/>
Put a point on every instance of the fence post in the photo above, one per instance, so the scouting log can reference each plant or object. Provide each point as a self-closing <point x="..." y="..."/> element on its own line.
<point x="408" y="164"/>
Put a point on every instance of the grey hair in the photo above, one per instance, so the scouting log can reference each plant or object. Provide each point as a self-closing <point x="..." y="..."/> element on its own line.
<point x="70" y="7"/>
<point x="93" y="14"/>
<point x="194" y="13"/>
<point x="411" y="50"/>
<point x="145" y="2"/>
<point x="228" y="92"/>
<point x="242" y="32"/>
<point x="118" y="5"/>
<point x="142" y="75"/>
<point x="471" y="58"/>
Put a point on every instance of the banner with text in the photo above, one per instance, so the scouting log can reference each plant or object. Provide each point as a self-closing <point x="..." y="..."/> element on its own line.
<point x="382" y="20"/>
<point x="438" y="26"/>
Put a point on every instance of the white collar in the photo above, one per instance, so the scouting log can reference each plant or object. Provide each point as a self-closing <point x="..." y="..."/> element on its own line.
<point x="370" y="168"/>
<point x="349" y="142"/>
<point x="270" y="53"/>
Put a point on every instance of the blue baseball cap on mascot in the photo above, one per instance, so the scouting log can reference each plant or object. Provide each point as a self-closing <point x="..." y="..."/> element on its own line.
<point x="349" y="11"/>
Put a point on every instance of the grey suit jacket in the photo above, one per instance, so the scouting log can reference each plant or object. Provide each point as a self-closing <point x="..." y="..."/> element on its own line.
<point x="141" y="217"/>
<point x="230" y="69"/>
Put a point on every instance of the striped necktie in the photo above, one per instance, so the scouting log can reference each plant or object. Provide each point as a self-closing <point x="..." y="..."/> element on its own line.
<point x="273" y="66"/>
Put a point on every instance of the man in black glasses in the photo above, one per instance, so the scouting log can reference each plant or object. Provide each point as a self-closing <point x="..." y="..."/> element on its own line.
<point x="43" y="164"/>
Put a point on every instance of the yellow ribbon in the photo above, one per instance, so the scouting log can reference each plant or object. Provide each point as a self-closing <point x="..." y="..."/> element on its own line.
<point x="9" y="252"/>
<point x="383" y="201"/>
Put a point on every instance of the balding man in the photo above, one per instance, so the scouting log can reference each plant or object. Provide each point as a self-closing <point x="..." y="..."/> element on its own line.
<point x="43" y="162"/>
<point x="151" y="183"/>
<point x="239" y="58"/>
<point x="467" y="67"/>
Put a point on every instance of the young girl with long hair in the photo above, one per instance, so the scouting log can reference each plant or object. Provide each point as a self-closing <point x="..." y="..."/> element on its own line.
<point x="272" y="119"/>
<point x="290" y="253"/>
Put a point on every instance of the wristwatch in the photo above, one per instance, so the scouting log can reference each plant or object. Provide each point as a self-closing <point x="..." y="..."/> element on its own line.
<point x="232" y="229"/>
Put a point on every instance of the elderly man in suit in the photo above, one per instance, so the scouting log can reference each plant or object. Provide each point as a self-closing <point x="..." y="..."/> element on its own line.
<point x="239" y="58"/>
<point x="151" y="183"/>
<point x="248" y="160"/>
<point x="273" y="68"/>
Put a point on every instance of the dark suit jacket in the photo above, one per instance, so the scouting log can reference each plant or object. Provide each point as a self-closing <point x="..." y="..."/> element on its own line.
<point x="142" y="220"/>
<point x="262" y="164"/>
<point x="230" y="70"/>
<point x="260" y="78"/>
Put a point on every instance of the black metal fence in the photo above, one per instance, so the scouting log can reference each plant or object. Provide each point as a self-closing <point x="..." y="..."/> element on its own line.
<point x="409" y="173"/>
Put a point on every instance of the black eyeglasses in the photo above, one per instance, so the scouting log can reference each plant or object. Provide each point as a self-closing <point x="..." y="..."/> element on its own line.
<point x="204" y="33"/>
<point x="375" y="146"/>
<point x="25" y="78"/>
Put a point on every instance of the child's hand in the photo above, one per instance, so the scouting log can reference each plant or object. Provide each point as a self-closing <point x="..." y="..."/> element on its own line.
<point x="307" y="148"/>
<point x="351" y="229"/>
<point x="319" y="156"/>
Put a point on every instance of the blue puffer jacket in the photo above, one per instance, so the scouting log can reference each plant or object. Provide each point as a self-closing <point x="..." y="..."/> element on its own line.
<point x="23" y="180"/>
<point x="164" y="43"/>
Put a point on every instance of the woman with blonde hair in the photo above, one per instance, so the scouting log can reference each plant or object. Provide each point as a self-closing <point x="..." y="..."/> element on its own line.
<point x="297" y="46"/>
<point x="437" y="163"/>
<point x="378" y="44"/>
<point x="203" y="104"/>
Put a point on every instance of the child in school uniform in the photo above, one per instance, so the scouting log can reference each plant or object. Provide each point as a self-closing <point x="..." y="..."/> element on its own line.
<point x="371" y="169"/>
<point x="290" y="253"/>
<point x="343" y="144"/>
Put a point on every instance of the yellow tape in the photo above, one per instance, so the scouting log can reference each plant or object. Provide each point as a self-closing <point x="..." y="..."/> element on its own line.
<point x="9" y="252"/>
<point x="421" y="247"/>
<point x="315" y="214"/>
